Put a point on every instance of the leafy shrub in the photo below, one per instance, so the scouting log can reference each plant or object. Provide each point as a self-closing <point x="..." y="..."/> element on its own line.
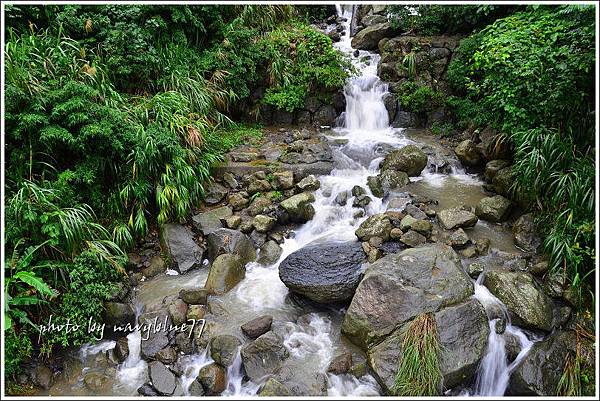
<point x="419" y="98"/>
<point x="530" y="75"/>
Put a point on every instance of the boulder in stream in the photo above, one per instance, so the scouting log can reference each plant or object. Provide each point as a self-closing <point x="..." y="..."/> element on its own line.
<point x="263" y="356"/>
<point x="211" y="220"/>
<point x="378" y="225"/>
<point x="400" y="286"/>
<point x="177" y="241"/>
<point x="456" y="217"/>
<point x="493" y="208"/>
<point x="213" y="379"/>
<point x="223" y="349"/>
<point x="369" y="37"/>
<point x="409" y="159"/>
<point x="324" y="273"/>
<point x="468" y="153"/>
<point x="525" y="234"/>
<point x="299" y="207"/>
<point x="235" y="242"/>
<point x="226" y="271"/>
<point x="257" y="327"/>
<point x="526" y="302"/>
<point x="163" y="380"/>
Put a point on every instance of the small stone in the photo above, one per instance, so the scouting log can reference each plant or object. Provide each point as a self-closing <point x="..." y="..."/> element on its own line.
<point x="257" y="327"/>
<point x="196" y="312"/>
<point x="396" y="233"/>
<point x="406" y="222"/>
<point x="283" y="180"/>
<point x="273" y="388"/>
<point x="422" y="227"/>
<point x="359" y="370"/>
<point x="263" y="223"/>
<point x="357" y="190"/>
<point x="156" y="266"/>
<point x="482" y="246"/>
<point x="163" y="380"/>
<point x="213" y="379"/>
<point x="233" y="222"/>
<point x="361" y="201"/>
<point x="500" y="326"/>
<point x="223" y="349"/>
<point x="459" y="238"/>
<point x="166" y="355"/>
<point x="237" y="201"/>
<point x="475" y="269"/>
<point x="413" y="239"/>
<point x="340" y="364"/>
<point x="469" y="252"/>
<point x="230" y="180"/>
<point x="194" y="296"/>
<point x="309" y="183"/>
<point x="342" y="198"/>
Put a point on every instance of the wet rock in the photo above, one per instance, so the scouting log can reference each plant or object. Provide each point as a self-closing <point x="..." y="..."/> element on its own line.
<point x="409" y="159"/>
<point x="177" y="241"/>
<point x="482" y="246"/>
<point x="325" y="116"/>
<point x="324" y="273"/>
<point x="147" y="390"/>
<point x="260" y="205"/>
<point x="257" y="327"/>
<point x="342" y="198"/>
<point x="155" y="267"/>
<point x="391" y="105"/>
<point x="462" y="330"/>
<point x="400" y="286"/>
<point x="237" y="201"/>
<point x="493" y="166"/>
<point x="269" y="253"/>
<point x="213" y="379"/>
<point x="423" y="227"/>
<point x="223" y="349"/>
<point x="273" y="388"/>
<point x="184" y="343"/>
<point x="156" y="340"/>
<point x="225" y="240"/>
<point x="263" y="223"/>
<point x="406" y="222"/>
<point x="359" y="370"/>
<point x="167" y="355"/>
<point x="387" y="181"/>
<point x="539" y="269"/>
<point x="226" y="272"/>
<point x="467" y="153"/>
<point x="118" y="314"/>
<point x="122" y="349"/>
<point x="459" y="238"/>
<point x="299" y="208"/>
<point x="263" y="356"/>
<point x="211" y="220"/>
<point x="301" y="382"/>
<point x="493" y="208"/>
<point x="475" y="269"/>
<point x="455" y="218"/>
<point x="525" y="233"/>
<point x="196" y="312"/>
<point x="42" y="377"/>
<point x="215" y="194"/>
<point x="177" y="311"/>
<point x="413" y="239"/>
<point x="369" y="37"/>
<point x="163" y="380"/>
<point x="361" y="201"/>
<point x="258" y="239"/>
<point x="540" y="371"/>
<point x="503" y="181"/>
<point x="405" y="119"/>
<point x="310" y="183"/>
<point x="526" y="302"/>
<point x="283" y="180"/>
<point x="378" y="225"/>
<point x="196" y="296"/>
<point x="340" y="364"/>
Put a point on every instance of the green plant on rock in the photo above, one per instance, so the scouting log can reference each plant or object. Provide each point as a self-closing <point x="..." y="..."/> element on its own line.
<point x="419" y="371"/>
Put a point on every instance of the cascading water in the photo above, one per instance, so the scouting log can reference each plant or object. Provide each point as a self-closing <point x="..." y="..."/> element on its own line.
<point x="133" y="371"/>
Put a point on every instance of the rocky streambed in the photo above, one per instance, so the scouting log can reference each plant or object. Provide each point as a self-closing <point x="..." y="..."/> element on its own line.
<point x="313" y="251"/>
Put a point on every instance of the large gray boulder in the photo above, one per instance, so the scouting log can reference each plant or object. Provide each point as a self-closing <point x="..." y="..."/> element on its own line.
<point x="400" y="286"/>
<point x="462" y="331"/>
<point x="226" y="271"/>
<point x="324" y="273"/>
<point x="235" y="242"/>
<point x="263" y="356"/>
<point x="493" y="208"/>
<point x="387" y="181"/>
<point x="177" y="241"/>
<point x="299" y="207"/>
<point x="525" y="300"/>
<point x="156" y="340"/>
<point x="369" y="37"/>
<point x="409" y="159"/>
<point x="456" y="218"/>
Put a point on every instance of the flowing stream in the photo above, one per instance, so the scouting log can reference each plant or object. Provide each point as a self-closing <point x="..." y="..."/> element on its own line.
<point x="315" y="339"/>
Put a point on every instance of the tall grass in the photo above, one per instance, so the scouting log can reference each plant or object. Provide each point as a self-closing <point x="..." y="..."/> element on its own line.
<point x="419" y="371"/>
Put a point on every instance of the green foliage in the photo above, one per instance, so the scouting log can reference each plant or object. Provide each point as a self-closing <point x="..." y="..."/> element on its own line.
<point x="17" y="347"/>
<point x="435" y="19"/>
<point x="442" y="129"/>
<point x="530" y="75"/>
<point x="315" y="65"/>
<point x="419" y="98"/>
<point x="419" y="371"/>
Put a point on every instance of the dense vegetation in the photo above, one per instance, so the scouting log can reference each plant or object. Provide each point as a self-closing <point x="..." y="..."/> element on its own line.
<point x="114" y="116"/>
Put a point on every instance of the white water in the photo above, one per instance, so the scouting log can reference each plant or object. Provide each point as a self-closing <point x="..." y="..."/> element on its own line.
<point x="133" y="371"/>
<point x="494" y="369"/>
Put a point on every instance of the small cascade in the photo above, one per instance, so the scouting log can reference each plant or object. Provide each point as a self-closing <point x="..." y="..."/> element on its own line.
<point x="133" y="372"/>
<point x="236" y="387"/>
<point x="191" y="367"/>
<point x="493" y="373"/>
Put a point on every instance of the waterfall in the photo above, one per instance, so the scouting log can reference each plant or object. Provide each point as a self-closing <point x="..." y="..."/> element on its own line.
<point x="133" y="371"/>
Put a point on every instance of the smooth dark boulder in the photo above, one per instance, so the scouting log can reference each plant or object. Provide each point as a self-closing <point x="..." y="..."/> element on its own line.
<point x="163" y="380"/>
<point x="324" y="273"/>
<point x="257" y="327"/>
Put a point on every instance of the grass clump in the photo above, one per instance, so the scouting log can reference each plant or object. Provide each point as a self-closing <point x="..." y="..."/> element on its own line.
<point x="419" y="371"/>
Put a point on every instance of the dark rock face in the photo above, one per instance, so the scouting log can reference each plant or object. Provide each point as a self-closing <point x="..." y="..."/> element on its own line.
<point x="340" y="364"/>
<point x="159" y="340"/>
<point x="400" y="286"/>
<point x="215" y="194"/>
<point x="273" y="388"/>
<point x="324" y="273"/>
<point x="540" y="371"/>
<point x="225" y="240"/>
<point x="263" y="356"/>
<point x="257" y="327"/>
<point x="528" y="305"/>
<point x="463" y="331"/>
<point x="178" y="242"/>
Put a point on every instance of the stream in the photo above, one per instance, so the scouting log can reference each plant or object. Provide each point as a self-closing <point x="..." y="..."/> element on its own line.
<point x="315" y="339"/>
